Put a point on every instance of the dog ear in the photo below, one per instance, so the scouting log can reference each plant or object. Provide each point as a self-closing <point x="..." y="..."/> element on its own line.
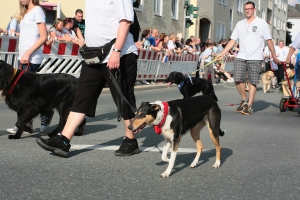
<point x="155" y="107"/>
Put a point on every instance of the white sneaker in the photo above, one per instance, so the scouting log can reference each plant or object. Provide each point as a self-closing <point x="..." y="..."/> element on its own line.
<point x="137" y="83"/>
<point x="145" y="82"/>
<point x="230" y="81"/>
<point x="14" y="130"/>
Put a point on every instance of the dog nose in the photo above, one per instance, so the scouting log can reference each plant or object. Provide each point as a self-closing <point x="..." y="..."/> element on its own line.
<point x="130" y="127"/>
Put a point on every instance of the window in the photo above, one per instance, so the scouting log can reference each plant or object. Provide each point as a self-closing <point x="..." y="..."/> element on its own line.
<point x="231" y="20"/>
<point x="141" y="7"/>
<point x="275" y="1"/>
<point x="274" y="21"/>
<point x="258" y="4"/>
<point x="174" y="11"/>
<point x="157" y="7"/>
<point x="223" y="2"/>
<point x="220" y="30"/>
<point x="240" y="6"/>
<point x="263" y="14"/>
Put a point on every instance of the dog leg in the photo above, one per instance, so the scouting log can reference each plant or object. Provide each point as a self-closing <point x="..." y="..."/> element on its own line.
<point x="268" y="86"/>
<point x="175" y="145"/>
<point x="195" y="133"/>
<point x="215" y="140"/>
<point x="264" y="88"/>
<point x="166" y="148"/>
<point x="17" y="135"/>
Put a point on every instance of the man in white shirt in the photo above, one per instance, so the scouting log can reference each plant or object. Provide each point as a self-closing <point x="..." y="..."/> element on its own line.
<point x="251" y="33"/>
<point x="282" y="54"/>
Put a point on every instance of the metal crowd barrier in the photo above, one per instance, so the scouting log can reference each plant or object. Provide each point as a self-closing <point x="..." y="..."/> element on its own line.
<point x="61" y="57"/>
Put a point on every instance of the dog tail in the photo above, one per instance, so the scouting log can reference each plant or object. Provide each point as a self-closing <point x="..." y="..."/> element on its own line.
<point x="222" y="133"/>
<point x="213" y="95"/>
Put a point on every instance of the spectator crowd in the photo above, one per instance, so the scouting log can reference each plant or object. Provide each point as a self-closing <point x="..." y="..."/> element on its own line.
<point x="72" y="30"/>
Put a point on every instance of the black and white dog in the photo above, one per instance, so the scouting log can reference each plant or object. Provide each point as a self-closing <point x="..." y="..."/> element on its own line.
<point x="190" y="86"/>
<point x="175" y="118"/>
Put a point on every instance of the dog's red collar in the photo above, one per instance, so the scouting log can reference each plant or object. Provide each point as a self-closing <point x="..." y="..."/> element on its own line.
<point x="15" y="82"/>
<point x="157" y="128"/>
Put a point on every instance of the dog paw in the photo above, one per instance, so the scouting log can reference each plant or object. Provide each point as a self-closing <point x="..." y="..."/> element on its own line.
<point x="193" y="165"/>
<point x="13" y="137"/>
<point x="78" y="134"/>
<point x="165" y="159"/>
<point x="165" y="174"/>
<point x="217" y="164"/>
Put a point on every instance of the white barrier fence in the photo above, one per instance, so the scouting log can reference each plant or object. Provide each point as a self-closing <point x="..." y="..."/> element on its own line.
<point x="60" y="57"/>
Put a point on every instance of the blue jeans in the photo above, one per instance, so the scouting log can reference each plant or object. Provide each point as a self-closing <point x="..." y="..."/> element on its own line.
<point x="32" y="67"/>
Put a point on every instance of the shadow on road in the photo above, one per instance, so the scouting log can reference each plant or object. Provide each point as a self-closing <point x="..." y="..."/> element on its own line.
<point x="184" y="160"/>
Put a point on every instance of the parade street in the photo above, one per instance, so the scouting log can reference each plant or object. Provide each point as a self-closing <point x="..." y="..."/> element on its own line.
<point x="259" y="157"/>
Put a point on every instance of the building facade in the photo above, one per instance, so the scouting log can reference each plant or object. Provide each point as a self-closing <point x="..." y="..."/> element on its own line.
<point x="294" y="19"/>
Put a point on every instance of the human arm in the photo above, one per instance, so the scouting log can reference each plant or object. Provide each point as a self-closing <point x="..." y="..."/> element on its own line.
<point x="288" y="58"/>
<point x="42" y="39"/>
<point x="226" y="49"/>
<point x="79" y="34"/>
<point x="114" y="59"/>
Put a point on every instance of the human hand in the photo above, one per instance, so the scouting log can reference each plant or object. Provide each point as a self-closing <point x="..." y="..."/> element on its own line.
<point x="114" y="60"/>
<point x="288" y="61"/>
<point x="276" y="60"/>
<point x="25" y="58"/>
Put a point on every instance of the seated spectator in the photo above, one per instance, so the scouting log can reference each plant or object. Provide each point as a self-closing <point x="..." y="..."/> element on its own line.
<point x="221" y="74"/>
<point x="68" y="25"/>
<point x="172" y="45"/>
<point x="13" y="27"/>
<point x="163" y="44"/>
<point x="159" y="38"/>
<point x="153" y="36"/>
<point x="178" y="43"/>
<point x="215" y="48"/>
<point x="57" y="32"/>
<point x="187" y="47"/>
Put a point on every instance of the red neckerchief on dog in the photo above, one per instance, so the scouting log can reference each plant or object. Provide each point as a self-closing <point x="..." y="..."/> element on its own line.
<point x="157" y="128"/>
<point x="17" y="79"/>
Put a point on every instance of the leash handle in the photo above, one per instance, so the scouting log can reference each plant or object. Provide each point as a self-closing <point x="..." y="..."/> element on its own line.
<point x="123" y="98"/>
<point x="21" y="66"/>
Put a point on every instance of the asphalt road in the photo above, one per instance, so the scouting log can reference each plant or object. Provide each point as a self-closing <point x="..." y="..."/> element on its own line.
<point x="259" y="157"/>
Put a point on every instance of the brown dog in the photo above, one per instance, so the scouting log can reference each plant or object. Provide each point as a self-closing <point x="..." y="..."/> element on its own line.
<point x="266" y="80"/>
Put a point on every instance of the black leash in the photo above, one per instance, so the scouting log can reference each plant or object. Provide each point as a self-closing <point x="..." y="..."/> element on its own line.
<point x="121" y="98"/>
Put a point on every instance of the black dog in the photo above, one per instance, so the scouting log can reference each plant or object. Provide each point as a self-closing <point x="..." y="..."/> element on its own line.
<point x="31" y="94"/>
<point x="190" y="86"/>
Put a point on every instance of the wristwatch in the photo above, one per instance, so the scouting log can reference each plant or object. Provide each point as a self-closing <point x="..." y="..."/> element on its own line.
<point x="116" y="50"/>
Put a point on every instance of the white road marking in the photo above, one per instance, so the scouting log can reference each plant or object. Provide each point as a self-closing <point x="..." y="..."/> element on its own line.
<point x="145" y="149"/>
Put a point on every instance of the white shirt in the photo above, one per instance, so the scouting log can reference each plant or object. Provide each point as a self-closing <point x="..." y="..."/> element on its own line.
<point x="72" y="34"/>
<point x="251" y="38"/>
<point x="29" y="34"/>
<point x="102" y="22"/>
<point x="283" y="52"/>
<point x="296" y="42"/>
<point x="267" y="52"/>
<point x="207" y="52"/>
<point x="171" y="45"/>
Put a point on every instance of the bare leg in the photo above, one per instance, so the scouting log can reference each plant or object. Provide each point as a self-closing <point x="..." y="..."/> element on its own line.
<point x="252" y="92"/>
<point x="73" y="121"/>
<point x="241" y="88"/>
<point x="128" y="133"/>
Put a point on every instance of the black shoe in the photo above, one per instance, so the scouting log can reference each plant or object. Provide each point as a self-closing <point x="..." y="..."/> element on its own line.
<point x="56" y="144"/>
<point x="128" y="147"/>
<point x="241" y="107"/>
